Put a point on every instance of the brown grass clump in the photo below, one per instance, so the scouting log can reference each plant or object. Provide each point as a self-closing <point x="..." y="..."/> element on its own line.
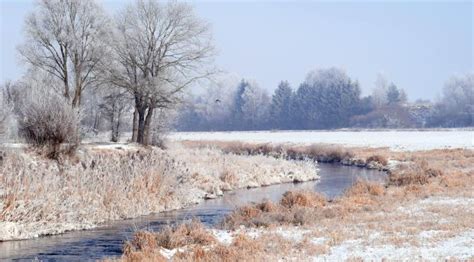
<point x="229" y="177"/>
<point x="242" y="248"/>
<point x="362" y="195"/>
<point x="296" y="208"/>
<point x="363" y="187"/>
<point x="329" y="153"/>
<point x="184" y="235"/>
<point x="303" y="199"/>
<point x="418" y="173"/>
<point x="272" y="247"/>
<point x="378" y="159"/>
<point x="145" y="246"/>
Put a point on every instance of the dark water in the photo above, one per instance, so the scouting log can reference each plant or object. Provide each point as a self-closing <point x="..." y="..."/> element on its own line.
<point x="107" y="241"/>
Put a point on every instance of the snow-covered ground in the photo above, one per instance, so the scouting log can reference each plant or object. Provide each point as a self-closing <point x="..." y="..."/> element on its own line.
<point x="399" y="140"/>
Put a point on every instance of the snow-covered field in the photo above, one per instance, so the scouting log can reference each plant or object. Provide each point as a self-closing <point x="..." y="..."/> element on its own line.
<point x="396" y="139"/>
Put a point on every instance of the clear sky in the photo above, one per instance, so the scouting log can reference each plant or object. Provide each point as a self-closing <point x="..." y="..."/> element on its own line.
<point x="417" y="45"/>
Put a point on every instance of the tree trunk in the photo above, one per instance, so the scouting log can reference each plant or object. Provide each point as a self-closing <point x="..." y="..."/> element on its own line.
<point x="76" y="101"/>
<point x="141" y="125"/>
<point x="135" y="125"/>
<point x="147" y="131"/>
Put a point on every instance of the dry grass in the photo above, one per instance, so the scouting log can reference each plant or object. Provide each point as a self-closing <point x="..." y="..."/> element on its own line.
<point x="183" y="235"/>
<point x="377" y="159"/>
<point x="305" y="207"/>
<point x="396" y="213"/>
<point x="87" y="189"/>
<point x="319" y="152"/>
<point x="146" y="246"/>
<point x="41" y="196"/>
<point x="303" y="199"/>
<point x="242" y="248"/>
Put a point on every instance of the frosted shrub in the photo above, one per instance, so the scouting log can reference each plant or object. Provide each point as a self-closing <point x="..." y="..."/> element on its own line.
<point x="5" y="119"/>
<point x="48" y="120"/>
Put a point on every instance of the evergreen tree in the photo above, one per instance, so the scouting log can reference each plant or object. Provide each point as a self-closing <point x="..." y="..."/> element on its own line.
<point x="393" y="94"/>
<point x="280" y="109"/>
<point x="237" y="110"/>
<point x="327" y="99"/>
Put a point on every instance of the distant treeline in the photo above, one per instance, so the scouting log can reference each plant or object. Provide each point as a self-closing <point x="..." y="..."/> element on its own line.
<point x="327" y="99"/>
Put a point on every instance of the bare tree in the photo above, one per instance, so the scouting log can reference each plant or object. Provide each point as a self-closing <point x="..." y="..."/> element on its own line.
<point x="66" y="38"/>
<point x="115" y="104"/>
<point x="160" y="50"/>
<point x="379" y="93"/>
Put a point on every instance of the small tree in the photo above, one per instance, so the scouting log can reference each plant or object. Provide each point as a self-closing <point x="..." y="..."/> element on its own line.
<point x="393" y="95"/>
<point x="456" y="106"/>
<point x="256" y="104"/>
<point x="379" y="93"/>
<point x="115" y="104"/>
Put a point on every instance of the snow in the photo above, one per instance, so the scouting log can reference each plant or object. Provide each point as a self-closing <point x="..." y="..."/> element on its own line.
<point x="398" y="140"/>
<point x="459" y="246"/>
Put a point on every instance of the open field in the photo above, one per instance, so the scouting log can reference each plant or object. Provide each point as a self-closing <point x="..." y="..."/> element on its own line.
<point x="395" y="140"/>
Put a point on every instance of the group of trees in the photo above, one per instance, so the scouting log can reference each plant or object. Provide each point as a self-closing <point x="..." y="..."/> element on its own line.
<point x="129" y="70"/>
<point x="327" y="99"/>
<point x="136" y="63"/>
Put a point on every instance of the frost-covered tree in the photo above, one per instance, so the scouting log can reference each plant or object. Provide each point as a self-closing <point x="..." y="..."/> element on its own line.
<point x="160" y="48"/>
<point x="386" y="93"/>
<point x="67" y="39"/>
<point x="379" y="93"/>
<point x="280" y="109"/>
<point x="256" y="103"/>
<point x="456" y="106"/>
<point x="115" y="104"/>
<point x="216" y="103"/>
<point x="7" y="120"/>
<point x="237" y="106"/>
<point x="395" y="95"/>
<point x="327" y="99"/>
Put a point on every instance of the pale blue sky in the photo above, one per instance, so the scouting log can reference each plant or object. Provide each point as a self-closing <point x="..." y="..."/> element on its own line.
<point x="418" y="45"/>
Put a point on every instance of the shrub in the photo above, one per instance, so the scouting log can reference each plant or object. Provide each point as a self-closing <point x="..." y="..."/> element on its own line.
<point x="363" y="187"/>
<point x="378" y="159"/>
<point x="6" y="118"/>
<point x="418" y="173"/>
<point x="303" y="199"/>
<point x="47" y="120"/>
<point x="185" y="234"/>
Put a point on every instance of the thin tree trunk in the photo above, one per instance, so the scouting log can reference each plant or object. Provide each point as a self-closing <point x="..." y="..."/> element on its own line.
<point x="76" y="101"/>
<point x="135" y="125"/>
<point x="64" y="52"/>
<point x="147" y="131"/>
<point x="141" y="125"/>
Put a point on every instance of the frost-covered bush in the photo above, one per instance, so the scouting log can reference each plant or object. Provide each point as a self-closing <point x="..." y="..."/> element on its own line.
<point x="4" y="118"/>
<point x="47" y="120"/>
<point x="7" y="119"/>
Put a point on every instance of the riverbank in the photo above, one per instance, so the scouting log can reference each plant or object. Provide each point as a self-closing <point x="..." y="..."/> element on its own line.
<point x="424" y="211"/>
<point x="102" y="183"/>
